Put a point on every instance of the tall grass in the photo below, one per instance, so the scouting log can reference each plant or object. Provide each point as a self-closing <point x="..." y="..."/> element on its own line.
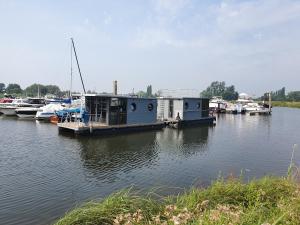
<point x="269" y="200"/>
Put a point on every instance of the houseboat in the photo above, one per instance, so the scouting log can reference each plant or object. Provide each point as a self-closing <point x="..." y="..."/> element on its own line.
<point x="185" y="111"/>
<point x="106" y="114"/>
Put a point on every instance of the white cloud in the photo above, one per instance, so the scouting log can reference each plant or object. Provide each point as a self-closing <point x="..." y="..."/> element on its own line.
<point x="107" y="18"/>
<point x="242" y="16"/>
<point x="227" y="22"/>
<point x="170" y="6"/>
<point x="156" y="37"/>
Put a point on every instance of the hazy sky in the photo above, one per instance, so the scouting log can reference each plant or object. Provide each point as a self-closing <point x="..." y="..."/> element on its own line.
<point x="171" y="44"/>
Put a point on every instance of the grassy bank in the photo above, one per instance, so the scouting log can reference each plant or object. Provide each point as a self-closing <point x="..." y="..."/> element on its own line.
<point x="269" y="200"/>
<point x="286" y="104"/>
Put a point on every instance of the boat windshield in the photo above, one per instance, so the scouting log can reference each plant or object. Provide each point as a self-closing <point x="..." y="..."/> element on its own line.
<point x="36" y="101"/>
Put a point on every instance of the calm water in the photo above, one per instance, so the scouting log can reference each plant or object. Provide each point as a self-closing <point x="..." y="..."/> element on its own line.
<point x="44" y="174"/>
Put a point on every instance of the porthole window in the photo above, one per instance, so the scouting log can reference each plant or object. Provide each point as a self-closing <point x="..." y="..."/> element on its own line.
<point x="186" y="105"/>
<point x="133" y="107"/>
<point x="198" y="105"/>
<point x="150" y="106"/>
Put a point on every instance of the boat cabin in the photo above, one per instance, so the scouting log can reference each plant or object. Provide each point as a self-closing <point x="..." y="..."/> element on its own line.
<point x="120" y="110"/>
<point x="184" y="109"/>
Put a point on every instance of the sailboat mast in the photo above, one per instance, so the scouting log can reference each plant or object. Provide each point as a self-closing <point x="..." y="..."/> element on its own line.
<point x="78" y="65"/>
<point x="71" y="71"/>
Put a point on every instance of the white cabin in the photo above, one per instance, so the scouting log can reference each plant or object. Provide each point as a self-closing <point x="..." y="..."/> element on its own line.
<point x="185" y="109"/>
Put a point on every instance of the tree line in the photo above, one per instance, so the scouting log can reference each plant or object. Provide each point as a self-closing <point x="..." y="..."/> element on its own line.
<point x="216" y="88"/>
<point x="280" y="95"/>
<point x="32" y="90"/>
<point x="219" y="88"/>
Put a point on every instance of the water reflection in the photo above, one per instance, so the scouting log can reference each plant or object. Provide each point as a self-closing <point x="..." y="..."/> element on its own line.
<point x="186" y="141"/>
<point x="112" y="158"/>
<point x="109" y="157"/>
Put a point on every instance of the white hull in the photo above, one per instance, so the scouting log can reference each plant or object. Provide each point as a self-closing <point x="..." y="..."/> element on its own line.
<point x="215" y="105"/>
<point x="26" y="116"/>
<point x="253" y="109"/>
<point x="44" y="113"/>
<point x="8" y="111"/>
<point x="43" y="116"/>
<point x="27" y="112"/>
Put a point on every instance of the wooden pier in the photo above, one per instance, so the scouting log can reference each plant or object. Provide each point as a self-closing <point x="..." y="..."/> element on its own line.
<point x="260" y="112"/>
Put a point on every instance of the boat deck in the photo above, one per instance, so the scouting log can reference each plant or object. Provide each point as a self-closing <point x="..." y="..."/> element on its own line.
<point x="186" y="123"/>
<point x="99" y="128"/>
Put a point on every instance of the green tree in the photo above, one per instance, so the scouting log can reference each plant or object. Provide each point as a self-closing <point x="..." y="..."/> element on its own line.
<point x="42" y="90"/>
<point x="149" y="91"/>
<point x="141" y="94"/>
<point x="218" y="88"/>
<point x="293" y="96"/>
<point x="215" y="89"/>
<point x="2" y="87"/>
<point x="91" y="92"/>
<point x="13" y="89"/>
<point x="35" y="90"/>
<point x="279" y="95"/>
<point x="52" y="89"/>
<point x="230" y="93"/>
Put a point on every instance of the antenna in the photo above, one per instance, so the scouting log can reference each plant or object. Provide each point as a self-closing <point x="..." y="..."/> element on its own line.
<point x="78" y="65"/>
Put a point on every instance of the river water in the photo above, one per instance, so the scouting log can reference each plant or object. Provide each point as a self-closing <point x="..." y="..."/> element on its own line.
<point x="43" y="174"/>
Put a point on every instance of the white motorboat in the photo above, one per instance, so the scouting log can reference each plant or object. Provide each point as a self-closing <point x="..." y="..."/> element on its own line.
<point x="8" y="109"/>
<point x="26" y="112"/>
<point x="217" y="104"/>
<point x="253" y="106"/>
<point x="235" y="108"/>
<point x="45" y="112"/>
<point x="36" y="102"/>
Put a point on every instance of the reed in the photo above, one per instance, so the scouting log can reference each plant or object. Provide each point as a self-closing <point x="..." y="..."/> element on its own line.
<point x="286" y="104"/>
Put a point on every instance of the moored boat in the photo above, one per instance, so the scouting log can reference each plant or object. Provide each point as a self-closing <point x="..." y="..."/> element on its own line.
<point x="26" y="112"/>
<point x="45" y="112"/>
<point x="9" y="108"/>
<point x="236" y="108"/>
<point x="217" y="104"/>
<point x="54" y="119"/>
<point x="253" y="106"/>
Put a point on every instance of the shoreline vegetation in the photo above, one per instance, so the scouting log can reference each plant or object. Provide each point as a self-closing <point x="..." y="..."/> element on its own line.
<point x="268" y="200"/>
<point x="286" y="104"/>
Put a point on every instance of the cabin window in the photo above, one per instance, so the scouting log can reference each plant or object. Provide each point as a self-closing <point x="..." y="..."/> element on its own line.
<point x="198" y="105"/>
<point x="150" y="106"/>
<point x="133" y="107"/>
<point x="186" y="105"/>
